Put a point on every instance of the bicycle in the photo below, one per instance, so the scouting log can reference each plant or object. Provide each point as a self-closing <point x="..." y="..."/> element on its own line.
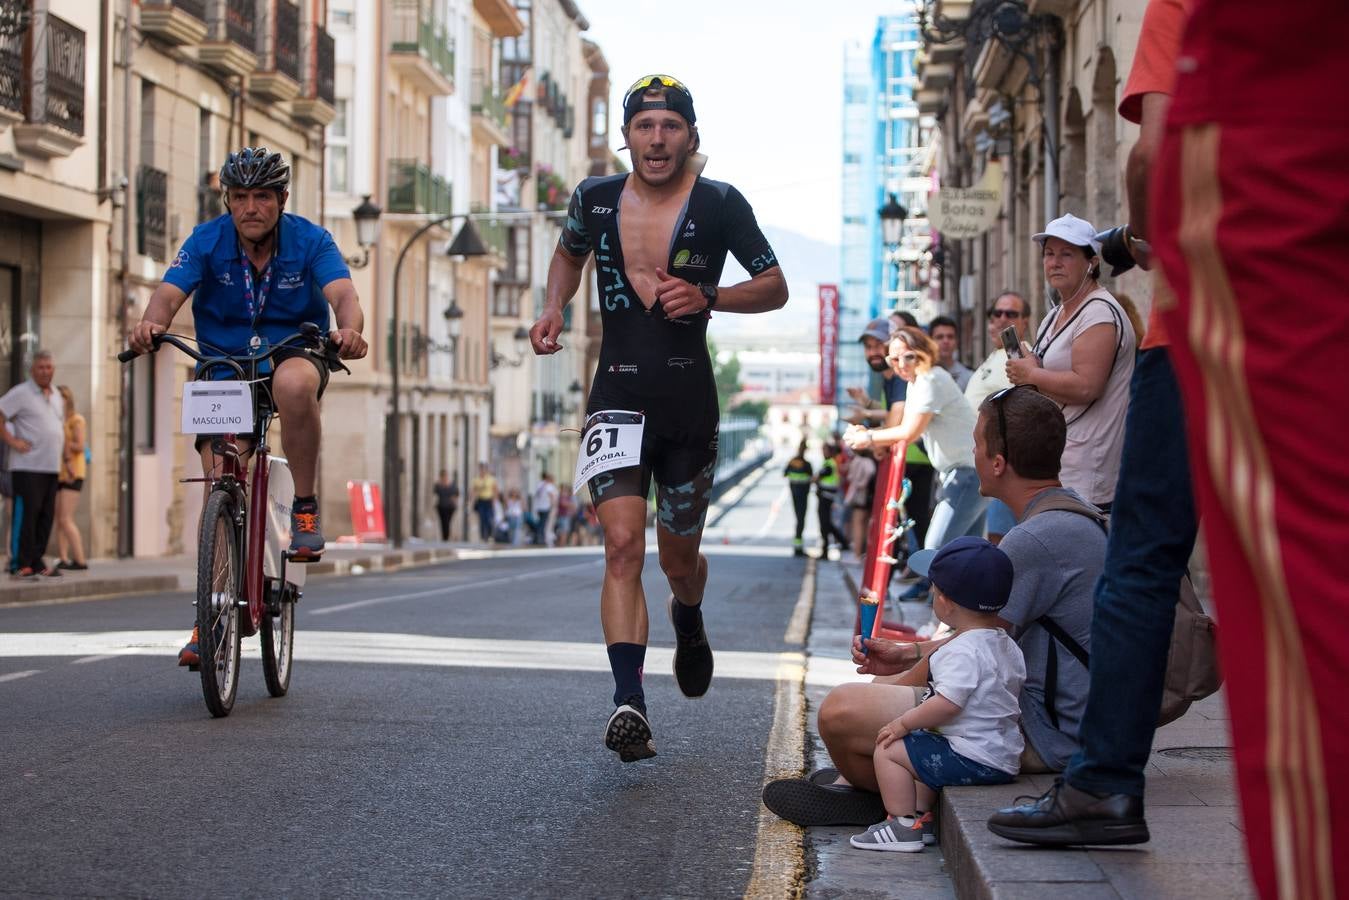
<point x="242" y="551"/>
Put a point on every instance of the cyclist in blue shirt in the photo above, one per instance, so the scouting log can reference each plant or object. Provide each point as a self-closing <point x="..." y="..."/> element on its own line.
<point x="255" y="274"/>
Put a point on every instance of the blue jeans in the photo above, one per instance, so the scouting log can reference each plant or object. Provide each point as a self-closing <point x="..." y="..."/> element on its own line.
<point x="1152" y="531"/>
<point x="959" y="510"/>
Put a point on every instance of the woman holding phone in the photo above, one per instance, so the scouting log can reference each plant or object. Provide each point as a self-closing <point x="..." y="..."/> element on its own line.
<point x="935" y="410"/>
<point x="1082" y="359"/>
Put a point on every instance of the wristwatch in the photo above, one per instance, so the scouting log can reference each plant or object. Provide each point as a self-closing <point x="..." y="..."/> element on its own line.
<point x="709" y="292"/>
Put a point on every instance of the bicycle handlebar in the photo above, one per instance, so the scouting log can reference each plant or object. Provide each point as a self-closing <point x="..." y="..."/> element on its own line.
<point x="309" y="337"/>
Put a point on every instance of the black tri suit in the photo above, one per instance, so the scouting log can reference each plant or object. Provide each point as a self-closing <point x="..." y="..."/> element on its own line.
<point x="655" y="365"/>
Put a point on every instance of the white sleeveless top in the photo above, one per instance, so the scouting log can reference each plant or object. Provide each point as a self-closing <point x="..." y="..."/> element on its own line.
<point x="1095" y="430"/>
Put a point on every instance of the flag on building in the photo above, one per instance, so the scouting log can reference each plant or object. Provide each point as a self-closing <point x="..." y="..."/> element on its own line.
<point x="517" y="90"/>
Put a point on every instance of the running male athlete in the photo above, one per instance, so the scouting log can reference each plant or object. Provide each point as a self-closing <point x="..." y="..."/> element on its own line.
<point x="660" y="238"/>
<point x="256" y="274"/>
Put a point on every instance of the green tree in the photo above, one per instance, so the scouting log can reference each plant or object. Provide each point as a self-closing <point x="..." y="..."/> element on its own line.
<point x="727" y="375"/>
<point x="753" y="409"/>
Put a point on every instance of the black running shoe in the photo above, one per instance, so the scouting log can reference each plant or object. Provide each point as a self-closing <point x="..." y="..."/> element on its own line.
<point x="629" y="733"/>
<point x="692" y="657"/>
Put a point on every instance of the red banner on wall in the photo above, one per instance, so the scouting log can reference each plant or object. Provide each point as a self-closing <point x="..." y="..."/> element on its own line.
<point x="828" y="341"/>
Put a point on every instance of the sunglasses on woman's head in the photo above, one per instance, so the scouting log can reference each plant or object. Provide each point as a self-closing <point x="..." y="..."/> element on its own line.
<point x="907" y="358"/>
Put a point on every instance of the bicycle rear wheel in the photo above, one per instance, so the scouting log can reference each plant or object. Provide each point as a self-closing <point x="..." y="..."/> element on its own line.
<point x="278" y="635"/>
<point x="218" y="579"/>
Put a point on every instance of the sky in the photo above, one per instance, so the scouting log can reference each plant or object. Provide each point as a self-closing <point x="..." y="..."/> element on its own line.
<point x="767" y="84"/>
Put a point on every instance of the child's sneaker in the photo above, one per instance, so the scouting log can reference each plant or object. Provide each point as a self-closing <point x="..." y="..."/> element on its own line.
<point x="898" y="834"/>
<point x="929" y="827"/>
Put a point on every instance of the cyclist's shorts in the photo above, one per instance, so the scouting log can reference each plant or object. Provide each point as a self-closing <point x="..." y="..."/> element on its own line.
<point x="264" y="397"/>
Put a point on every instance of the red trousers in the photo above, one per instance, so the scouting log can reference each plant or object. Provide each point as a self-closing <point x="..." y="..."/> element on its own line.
<point x="1251" y="226"/>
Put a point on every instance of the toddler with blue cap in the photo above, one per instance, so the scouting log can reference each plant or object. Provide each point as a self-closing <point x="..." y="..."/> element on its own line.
<point x="965" y="731"/>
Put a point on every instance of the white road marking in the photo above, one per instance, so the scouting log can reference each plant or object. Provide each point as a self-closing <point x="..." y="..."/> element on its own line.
<point x="85" y="660"/>
<point x="452" y="589"/>
<point x="15" y="676"/>
<point x="404" y="650"/>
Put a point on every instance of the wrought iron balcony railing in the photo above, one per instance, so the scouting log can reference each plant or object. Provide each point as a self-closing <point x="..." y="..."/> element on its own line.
<point x="152" y="192"/>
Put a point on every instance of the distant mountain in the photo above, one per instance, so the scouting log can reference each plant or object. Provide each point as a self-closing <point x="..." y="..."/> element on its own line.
<point x="807" y="264"/>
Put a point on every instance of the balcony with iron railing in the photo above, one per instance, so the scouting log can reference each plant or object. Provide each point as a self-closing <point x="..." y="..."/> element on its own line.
<point x="493" y="233"/>
<point x="175" y="21"/>
<point x="413" y="188"/>
<point x="420" y="48"/>
<point x="315" y="105"/>
<point x="491" y="117"/>
<point x="280" y="76"/>
<point x="42" y="82"/>
<point x="232" y="43"/>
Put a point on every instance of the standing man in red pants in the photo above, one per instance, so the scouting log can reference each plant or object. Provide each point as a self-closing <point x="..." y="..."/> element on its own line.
<point x="1251" y="216"/>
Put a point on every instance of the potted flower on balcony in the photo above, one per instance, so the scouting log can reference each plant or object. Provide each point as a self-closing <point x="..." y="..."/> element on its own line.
<point x="552" y="190"/>
<point x="512" y="158"/>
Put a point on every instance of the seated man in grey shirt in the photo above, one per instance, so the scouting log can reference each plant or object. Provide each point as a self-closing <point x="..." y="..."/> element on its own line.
<point x="1056" y="555"/>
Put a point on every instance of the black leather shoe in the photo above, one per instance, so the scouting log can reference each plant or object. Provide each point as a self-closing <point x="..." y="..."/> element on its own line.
<point x="1065" y="816"/>
<point x="801" y="801"/>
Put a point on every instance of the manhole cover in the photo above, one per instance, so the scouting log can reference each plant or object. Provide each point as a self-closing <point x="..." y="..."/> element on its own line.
<point x="1202" y="754"/>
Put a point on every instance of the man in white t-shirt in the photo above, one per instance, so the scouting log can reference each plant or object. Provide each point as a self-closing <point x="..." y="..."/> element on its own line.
<point x="544" y="503"/>
<point x="1010" y="309"/>
<point x="34" y="419"/>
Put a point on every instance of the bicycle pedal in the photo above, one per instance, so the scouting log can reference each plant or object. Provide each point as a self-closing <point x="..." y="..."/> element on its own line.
<point x="291" y="556"/>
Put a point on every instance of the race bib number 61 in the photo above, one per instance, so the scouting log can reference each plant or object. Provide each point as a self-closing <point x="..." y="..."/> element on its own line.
<point x="611" y="439"/>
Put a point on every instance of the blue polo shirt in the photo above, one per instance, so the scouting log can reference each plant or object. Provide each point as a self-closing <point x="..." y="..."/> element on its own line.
<point x="210" y="268"/>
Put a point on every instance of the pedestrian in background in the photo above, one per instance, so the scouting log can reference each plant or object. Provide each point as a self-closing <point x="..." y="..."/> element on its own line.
<point x="828" y="481"/>
<point x="446" y="490"/>
<point x="566" y="516"/>
<point x="514" y="509"/>
<point x="69" y="482"/>
<point x="1083" y="359"/>
<point x="857" y="498"/>
<point x="799" y="474"/>
<point x="36" y="436"/>
<point x="1009" y="310"/>
<point x="485" y="493"/>
<point x="945" y="333"/>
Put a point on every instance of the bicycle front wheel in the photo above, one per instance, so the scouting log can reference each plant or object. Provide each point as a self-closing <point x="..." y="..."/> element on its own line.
<point x="218" y="581"/>
<point x="278" y="635"/>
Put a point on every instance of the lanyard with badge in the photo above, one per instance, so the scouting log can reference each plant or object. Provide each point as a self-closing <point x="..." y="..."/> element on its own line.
<point x="255" y="303"/>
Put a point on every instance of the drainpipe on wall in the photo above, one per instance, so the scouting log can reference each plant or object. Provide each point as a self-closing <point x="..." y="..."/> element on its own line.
<point x="1049" y="118"/>
<point x="126" y="462"/>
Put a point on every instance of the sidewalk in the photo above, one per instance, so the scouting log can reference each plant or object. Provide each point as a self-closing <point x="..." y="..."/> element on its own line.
<point x="1196" y="847"/>
<point x="118" y="577"/>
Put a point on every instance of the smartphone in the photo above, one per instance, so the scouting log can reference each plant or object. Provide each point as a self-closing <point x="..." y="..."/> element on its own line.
<point x="1009" y="341"/>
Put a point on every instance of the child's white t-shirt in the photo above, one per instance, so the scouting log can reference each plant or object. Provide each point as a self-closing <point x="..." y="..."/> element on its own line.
<point x="982" y="671"/>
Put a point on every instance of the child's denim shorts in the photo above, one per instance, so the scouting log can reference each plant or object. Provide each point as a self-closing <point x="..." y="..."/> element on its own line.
<point x="938" y="766"/>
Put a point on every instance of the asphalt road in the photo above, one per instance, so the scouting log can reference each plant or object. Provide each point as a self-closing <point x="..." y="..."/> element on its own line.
<point x="442" y="737"/>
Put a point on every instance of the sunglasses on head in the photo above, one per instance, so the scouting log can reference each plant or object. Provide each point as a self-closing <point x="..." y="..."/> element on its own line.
<point x="642" y="84"/>
<point x="1012" y="314"/>
<point x="996" y="398"/>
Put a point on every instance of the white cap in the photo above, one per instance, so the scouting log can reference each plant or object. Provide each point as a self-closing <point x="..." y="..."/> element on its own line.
<point x="1071" y="229"/>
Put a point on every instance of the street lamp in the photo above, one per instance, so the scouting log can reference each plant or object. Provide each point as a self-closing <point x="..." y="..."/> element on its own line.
<point x="465" y="243"/>
<point x="892" y="216"/>
<point x="367" y="231"/>
<point x="520" y="341"/>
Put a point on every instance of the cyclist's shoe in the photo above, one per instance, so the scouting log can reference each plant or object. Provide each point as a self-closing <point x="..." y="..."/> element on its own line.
<point x="629" y="733"/>
<point x="306" y="538"/>
<point x="189" y="655"/>
<point x="692" y="657"/>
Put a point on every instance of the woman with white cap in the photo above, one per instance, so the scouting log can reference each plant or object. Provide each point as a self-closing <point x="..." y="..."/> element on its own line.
<point x="1082" y="359"/>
